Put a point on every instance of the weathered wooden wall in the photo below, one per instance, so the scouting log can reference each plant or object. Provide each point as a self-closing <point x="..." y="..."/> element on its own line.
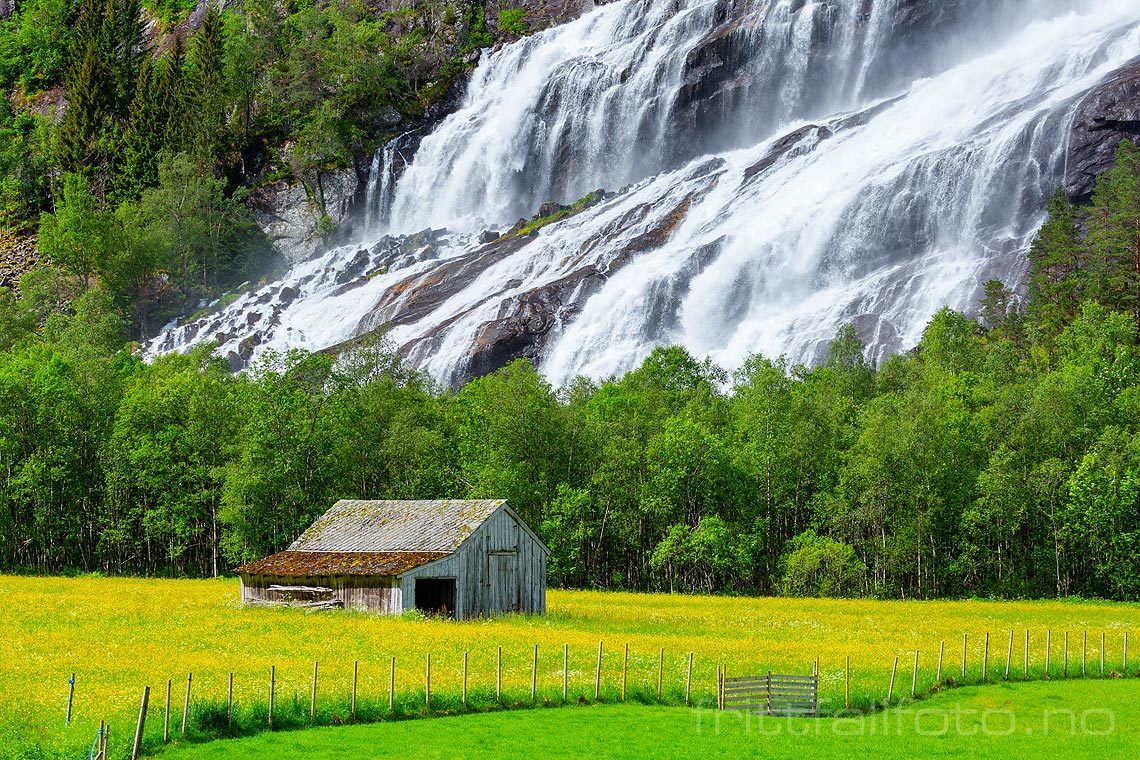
<point x="500" y="568"/>
<point x="370" y="593"/>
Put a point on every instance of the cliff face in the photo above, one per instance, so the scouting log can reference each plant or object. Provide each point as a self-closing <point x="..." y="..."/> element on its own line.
<point x="1107" y="115"/>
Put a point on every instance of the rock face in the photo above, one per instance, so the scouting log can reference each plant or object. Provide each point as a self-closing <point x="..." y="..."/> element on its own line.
<point x="1108" y="115"/>
<point x="541" y="14"/>
<point x="6" y="8"/>
<point x="302" y="218"/>
<point x="17" y="255"/>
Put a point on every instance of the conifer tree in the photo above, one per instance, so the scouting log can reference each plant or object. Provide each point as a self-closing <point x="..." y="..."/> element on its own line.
<point x="1114" y="235"/>
<point x="87" y="89"/>
<point x="207" y="72"/>
<point x="1057" y="263"/>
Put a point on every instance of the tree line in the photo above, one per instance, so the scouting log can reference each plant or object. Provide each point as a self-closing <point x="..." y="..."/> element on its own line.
<point x="1001" y="456"/>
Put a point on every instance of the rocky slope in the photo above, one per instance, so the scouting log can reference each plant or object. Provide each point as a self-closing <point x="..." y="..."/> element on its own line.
<point x="1108" y="114"/>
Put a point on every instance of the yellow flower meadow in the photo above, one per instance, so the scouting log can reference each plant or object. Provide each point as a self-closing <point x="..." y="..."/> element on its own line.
<point x="119" y="634"/>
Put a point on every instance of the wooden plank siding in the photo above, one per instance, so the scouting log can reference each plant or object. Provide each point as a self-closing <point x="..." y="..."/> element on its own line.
<point x="499" y="568"/>
<point x="370" y="593"/>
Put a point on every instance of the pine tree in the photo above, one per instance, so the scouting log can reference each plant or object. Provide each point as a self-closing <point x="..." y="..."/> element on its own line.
<point x="170" y="92"/>
<point x="1114" y="235"/>
<point x="207" y="72"/>
<point x="101" y="84"/>
<point x="87" y="92"/>
<point x="1057" y="261"/>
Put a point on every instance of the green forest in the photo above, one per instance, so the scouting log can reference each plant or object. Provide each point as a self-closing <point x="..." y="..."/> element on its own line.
<point x="999" y="457"/>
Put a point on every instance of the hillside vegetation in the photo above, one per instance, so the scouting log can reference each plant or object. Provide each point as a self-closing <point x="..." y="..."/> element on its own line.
<point x="119" y="634"/>
<point x="132" y="131"/>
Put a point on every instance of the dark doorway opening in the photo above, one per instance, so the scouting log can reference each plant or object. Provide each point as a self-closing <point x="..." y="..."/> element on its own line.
<point x="436" y="596"/>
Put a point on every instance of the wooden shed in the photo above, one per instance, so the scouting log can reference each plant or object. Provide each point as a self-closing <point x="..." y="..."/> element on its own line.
<point x="457" y="558"/>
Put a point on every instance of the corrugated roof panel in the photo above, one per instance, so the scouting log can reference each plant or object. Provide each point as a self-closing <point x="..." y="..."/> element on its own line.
<point x="396" y="526"/>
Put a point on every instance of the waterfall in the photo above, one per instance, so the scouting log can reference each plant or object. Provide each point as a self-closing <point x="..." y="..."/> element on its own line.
<point x="381" y="182"/>
<point x="782" y="167"/>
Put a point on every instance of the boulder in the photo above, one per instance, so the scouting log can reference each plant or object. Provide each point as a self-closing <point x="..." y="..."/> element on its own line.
<point x="1109" y="113"/>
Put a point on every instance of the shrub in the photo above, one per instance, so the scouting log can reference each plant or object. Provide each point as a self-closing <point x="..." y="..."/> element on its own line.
<point x="821" y="566"/>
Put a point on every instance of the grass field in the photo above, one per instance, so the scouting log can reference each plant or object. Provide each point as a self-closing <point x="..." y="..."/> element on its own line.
<point x="1093" y="719"/>
<point x="119" y="634"/>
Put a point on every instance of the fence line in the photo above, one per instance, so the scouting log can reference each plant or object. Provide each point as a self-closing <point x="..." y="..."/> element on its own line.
<point x="681" y="671"/>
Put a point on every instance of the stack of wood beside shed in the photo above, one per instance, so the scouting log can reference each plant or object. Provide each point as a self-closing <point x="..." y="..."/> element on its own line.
<point x="456" y="558"/>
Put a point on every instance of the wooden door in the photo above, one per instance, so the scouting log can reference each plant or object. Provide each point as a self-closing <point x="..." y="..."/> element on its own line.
<point x="503" y="572"/>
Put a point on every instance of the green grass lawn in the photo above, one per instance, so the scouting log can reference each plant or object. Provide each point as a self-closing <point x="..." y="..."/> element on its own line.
<point x="1095" y="719"/>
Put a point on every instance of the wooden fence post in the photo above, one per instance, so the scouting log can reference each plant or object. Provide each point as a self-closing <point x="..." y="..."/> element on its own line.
<point x="392" y="686"/>
<point x="313" y="697"/>
<point x="186" y="704"/>
<point x="499" y="676"/>
<point x="986" y="659"/>
<point x="272" y="679"/>
<point x="963" y="658"/>
<point x="689" y="679"/>
<point x="1009" y="655"/>
<point x="625" y="671"/>
<point x="427" y="681"/>
<point x="1084" y="652"/>
<point x="847" y="680"/>
<point x="1048" y="649"/>
<point x="137" y="745"/>
<point x="913" y="676"/>
<point x="1065" y="672"/>
<point x="355" y="676"/>
<point x="718" y="705"/>
<point x="1027" y="653"/>
<point x="465" y="680"/>
<point x="230" y="701"/>
<point x="598" y="675"/>
<point x="941" y="649"/>
<point x="891" y="688"/>
<point x="660" y="671"/>
<point x="101" y="750"/>
<point x="166" y="715"/>
<point x="534" y="675"/>
<point x="70" y="699"/>
<point x="565" y="669"/>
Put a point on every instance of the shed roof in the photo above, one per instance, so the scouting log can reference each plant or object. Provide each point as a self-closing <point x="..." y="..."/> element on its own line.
<point x="396" y="526"/>
<point x="311" y="564"/>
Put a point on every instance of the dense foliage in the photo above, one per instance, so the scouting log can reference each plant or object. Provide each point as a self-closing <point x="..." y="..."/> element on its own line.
<point x="130" y="133"/>
<point x="1000" y="457"/>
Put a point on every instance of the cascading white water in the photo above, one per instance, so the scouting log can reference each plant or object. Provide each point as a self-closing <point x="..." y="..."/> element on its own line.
<point x="848" y="182"/>
<point x="594" y="103"/>
<point x="378" y="193"/>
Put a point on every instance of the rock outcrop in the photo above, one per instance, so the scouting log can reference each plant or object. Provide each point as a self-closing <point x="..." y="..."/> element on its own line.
<point x="302" y="218"/>
<point x="1108" y="115"/>
<point x="17" y="255"/>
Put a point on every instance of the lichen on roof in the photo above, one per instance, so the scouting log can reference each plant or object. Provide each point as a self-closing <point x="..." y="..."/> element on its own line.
<point x="302" y="564"/>
<point x="396" y="526"/>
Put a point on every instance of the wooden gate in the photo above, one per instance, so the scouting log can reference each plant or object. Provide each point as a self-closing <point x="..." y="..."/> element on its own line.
<point x="774" y="694"/>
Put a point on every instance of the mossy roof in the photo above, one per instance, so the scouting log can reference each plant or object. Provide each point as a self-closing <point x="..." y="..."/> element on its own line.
<point x="396" y="526"/>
